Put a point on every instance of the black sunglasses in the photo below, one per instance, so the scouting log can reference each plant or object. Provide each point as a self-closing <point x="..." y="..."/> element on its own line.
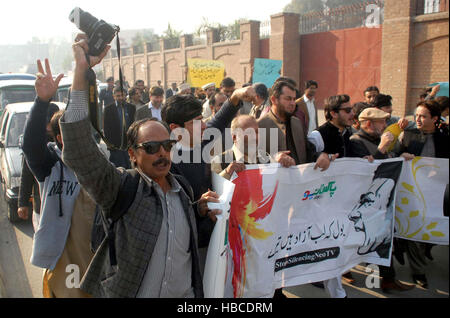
<point x="153" y="147"/>
<point x="347" y="110"/>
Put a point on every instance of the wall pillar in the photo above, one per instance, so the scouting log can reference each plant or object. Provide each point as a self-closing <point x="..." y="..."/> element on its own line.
<point x="249" y="48"/>
<point x="396" y="52"/>
<point x="285" y="43"/>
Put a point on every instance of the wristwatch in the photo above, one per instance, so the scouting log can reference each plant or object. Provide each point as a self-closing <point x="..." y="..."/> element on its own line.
<point x="330" y="156"/>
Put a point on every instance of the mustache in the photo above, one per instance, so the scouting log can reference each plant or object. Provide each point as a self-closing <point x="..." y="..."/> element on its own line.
<point x="164" y="161"/>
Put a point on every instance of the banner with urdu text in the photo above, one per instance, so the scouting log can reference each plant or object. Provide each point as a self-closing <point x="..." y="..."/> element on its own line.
<point x="287" y="227"/>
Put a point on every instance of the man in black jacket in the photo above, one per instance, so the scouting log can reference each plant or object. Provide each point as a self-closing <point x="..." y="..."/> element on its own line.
<point x="106" y="94"/>
<point x="29" y="185"/>
<point x="336" y="131"/>
<point x="191" y="159"/>
<point x="371" y="142"/>
<point x="118" y="117"/>
<point x="428" y="140"/>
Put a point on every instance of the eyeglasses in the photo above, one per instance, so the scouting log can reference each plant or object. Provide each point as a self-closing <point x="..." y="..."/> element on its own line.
<point x="347" y="110"/>
<point x="153" y="147"/>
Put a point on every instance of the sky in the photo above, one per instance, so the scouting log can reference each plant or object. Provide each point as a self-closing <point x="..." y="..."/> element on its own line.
<point x="22" y="20"/>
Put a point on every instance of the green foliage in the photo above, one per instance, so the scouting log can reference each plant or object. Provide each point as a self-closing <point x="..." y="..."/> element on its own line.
<point x="306" y="6"/>
<point x="228" y="32"/>
<point x="143" y="37"/>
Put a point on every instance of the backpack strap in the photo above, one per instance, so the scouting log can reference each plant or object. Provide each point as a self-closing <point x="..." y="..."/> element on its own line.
<point x="126" y="194"/>
<point x="125" y="197"/>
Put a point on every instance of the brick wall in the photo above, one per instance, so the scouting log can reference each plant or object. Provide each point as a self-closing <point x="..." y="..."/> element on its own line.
<point x="414" y="53"/>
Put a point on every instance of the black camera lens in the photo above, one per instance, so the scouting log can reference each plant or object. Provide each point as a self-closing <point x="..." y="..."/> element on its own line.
<point x="98" y="32"/>
<point x="83" y="20"/>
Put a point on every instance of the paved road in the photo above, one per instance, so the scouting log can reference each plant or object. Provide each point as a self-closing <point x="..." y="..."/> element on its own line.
<point x="18" y="278"/>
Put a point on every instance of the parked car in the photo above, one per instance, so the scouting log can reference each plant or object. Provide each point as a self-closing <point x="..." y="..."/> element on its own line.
<point x="16" y="91"/>
<point x="17" y="76"/>
<point x="11" y="133"/>
<point x="62" y="94"/>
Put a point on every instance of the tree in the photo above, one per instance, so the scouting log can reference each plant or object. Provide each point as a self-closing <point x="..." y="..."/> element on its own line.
<point x="306" y="6"/>
<point x="143" y="37"/>
<point x="225" y="32"/>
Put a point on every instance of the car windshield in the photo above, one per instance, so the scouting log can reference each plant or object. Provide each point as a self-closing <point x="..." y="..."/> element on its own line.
<point x="5" y="77"/>
<point x="17" y="95"/>
<point x="62" y="95"/>
<point x="16" y="128"/>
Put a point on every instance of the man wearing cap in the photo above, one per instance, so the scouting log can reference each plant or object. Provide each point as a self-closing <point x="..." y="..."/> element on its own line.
<point x="370" y="140"/>
<point x="185" y="89"/>
<point x="153" y="108"/>
<point x="209" y="89"/>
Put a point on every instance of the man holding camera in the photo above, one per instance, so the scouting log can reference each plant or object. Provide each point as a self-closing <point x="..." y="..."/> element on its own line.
<point x="156" y="238"/>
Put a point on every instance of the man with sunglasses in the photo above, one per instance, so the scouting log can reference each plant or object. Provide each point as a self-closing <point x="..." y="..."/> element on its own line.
<point x="333" y="137"/>
<point x="336" y="132"/>
<point x="156" y="252"/>
<point x="192" y="155"/>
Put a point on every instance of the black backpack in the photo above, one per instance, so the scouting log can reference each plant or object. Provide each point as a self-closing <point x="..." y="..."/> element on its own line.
<point x="103" y="229"/>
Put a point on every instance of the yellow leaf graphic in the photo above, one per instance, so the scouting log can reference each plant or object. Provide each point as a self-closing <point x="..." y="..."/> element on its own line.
<point x="437" y="234"/>
<point x="398" y="209"/>
<point x="425" y="237"/>
<point x="432" y="225"/>
<point x="405" y="201"/>
<point x="408" y="187"/>
<point x="413" y="214"/>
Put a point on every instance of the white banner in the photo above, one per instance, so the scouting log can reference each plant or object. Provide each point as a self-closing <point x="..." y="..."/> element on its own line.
<point x="419" y="209"/>
<point x="288" y="227"/>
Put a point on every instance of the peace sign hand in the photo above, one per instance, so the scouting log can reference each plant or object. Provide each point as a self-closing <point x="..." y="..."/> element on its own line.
<point x="45" y="85"/>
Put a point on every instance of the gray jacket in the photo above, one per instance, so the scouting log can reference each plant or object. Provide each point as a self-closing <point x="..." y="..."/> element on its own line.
<point x="136" y="231"/>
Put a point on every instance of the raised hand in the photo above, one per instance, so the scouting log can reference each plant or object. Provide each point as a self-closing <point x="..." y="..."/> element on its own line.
<point x="81" y="47"/>
<point x="45" y="85"/>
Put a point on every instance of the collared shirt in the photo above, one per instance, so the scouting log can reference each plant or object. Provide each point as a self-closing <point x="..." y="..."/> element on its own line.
<point x="156" y="112"/>
<point x="261" y="110"/>
<point x="169" y="270"/>
<point x="312" y="113"/>
<point x="256" y="157"/>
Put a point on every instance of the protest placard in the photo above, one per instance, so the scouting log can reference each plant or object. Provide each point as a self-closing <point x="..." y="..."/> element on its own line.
<point x="202" y="72"/>
<point x="266" y="71"/>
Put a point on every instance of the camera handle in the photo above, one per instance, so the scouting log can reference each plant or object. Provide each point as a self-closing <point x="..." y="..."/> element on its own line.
<point x="95" y="112"/>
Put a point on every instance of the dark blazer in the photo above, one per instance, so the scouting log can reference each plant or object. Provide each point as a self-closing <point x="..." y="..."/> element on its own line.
<point x="169" y="92"/>
<point x="135" y="232"/>
<point x="413" y="141"/>
<point x="362" y="144"/>
<point x="334" y="141"/>
<point x="303" y="147"/>
<point x="143" y="112"/>
<point x="302" y="112"/>
<point x="111" y="122"/>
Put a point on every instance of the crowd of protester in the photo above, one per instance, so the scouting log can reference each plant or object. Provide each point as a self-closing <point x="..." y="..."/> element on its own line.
<point x="154" y="209"/>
